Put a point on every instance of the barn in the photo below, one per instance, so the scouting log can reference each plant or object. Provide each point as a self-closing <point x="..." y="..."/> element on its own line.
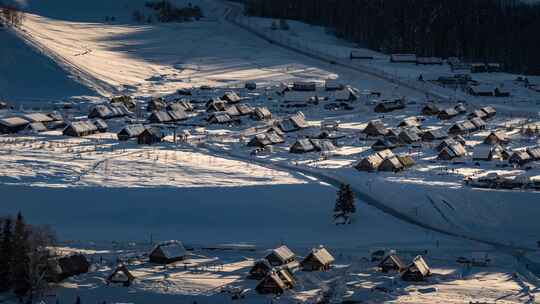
<point x="130" y="131"/>
<point x="121" y="275"/>
<point x="280" y="256"/>
<point x="392" y="262"/>
<point x="80" y="128"/>
<point x="150" y="136"/>
<point x="375" y="128"/>
<point x="418" y="270"/>
<point x="168" y="252"/>
<point x="319" y="259"/>
<point x="12" y="125"/>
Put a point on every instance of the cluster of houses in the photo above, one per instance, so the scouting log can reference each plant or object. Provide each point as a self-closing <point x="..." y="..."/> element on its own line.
<point x="454" y="62"/>
<point x="275" y="271"/>
<point x="417" y="270"/>
<point x="385" y="160"/>
<point x="31" y="123"/>
<point x="497" y="181"/>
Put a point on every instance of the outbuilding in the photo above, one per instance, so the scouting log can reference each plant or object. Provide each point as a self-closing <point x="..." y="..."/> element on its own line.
<point x="447" y="114"/>
<point x="434" y="134"/>
<point x="150" y="136"/>
<point x="319" y="259"/>
<point x="430" y="109"/>
<point x="12" y="125"/>
<point x="260" y="270"/>
<point x="130" y="131"/>
<point x="375" y="128"/>
<point x="168" y="253"/>
<point x="160" y="117"/>
<point x="497" y="137"/>
<point x="121" y="275"/>
<point x="519" y="158"/>
<point x="389" y="106"/>
<point x="280" y="256"/>
<point x="231" y="97"/>
<point x="271" y="284"/>
<point x="391" y="164"/>
<point x="262" y="113"/>
<point x="80" y="128"/>
<point x="392" y="262"/>
<point x="418" y="270"/>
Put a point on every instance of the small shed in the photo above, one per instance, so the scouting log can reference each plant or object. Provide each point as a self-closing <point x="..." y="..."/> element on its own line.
<point x="231" y="97"/>
<point x="221" y="118"/>
<point x="12" y="124"/>
<point x="168" y="253"/>
<point x="462" y="127"/>
<point x="130" y="131"/>
<point x="497" y="137"/>
<point x="80" y="128"/>
<point x="452" y="151"/>
<point x="262" y="113"/>
<point x="370" y="163"/>
<point x="260" y="270"/>
<point x="160" y="117"/>
<point x="319" y="259"/>
<point x="445" y="143"/>
<point x="430" y="109"/>
<point x="232" y="111"/>
<point x="490" y="111"/>
<point x="478" y="114"/>
<point x="244" y="109"/>
<point x="406" y="160"/>
<point x="150" y="136"/>
<point x="418" y="270"/>
<point x="265" y="139"/>
<point x="389" y="106"/>
<point x="38" y="117"/>
<point x="391" y="164"/>
<point x="271" y="284"/>
<point x="448" y="113"/>
<point x="323" y="145"/>
<point x="216" y="105"/>
<point x="302" y="146"/>
<point x="121" y="275"/>
<point x="293" y="123"/>
<point x="280" y="256"/>
<point x="519" y="158"/>
<point x="375" y="128"/>
<point x="434" y="134"/>
<point x="392" y="262"/>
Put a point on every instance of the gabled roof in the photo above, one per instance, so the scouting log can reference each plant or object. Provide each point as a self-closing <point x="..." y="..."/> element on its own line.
<point x="100" y="124"/>
<point x="231" y="97"/>
<point x="132" y="130"/>
<point x="244" y="109"/>
<point x="154" y="131"/>
<point x="171" y="249"/>
<point x="390" y="164"/>
<point x="13" y="122"/>
<point x="420" y="264"/>
<point x="534" y="153"/>
<point x="302" y="145"/>
<point x="263" y="113"/>
<point x="37" y="117"/>
<point x="232" y="111"/>
<point x="283" y="253"/>
<point x="482" y="152"/>
<point x="395" y="260"/>
<point x="322" y="255"/>
<point x="410" y="122"/>
<point x="406" y="160"/>
<point x="177" y="115"/>
<point x="478" y="122"/>
<point x="323" y="145"/>
<point x="83" y="126"/>
<point x="37" y="127"/>
<point x="160" y="117"/>
<point x="220" y="117"/>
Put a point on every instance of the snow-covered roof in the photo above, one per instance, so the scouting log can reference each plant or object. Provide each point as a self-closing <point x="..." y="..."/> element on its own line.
<point x="322" y="255"/>
<point x="171" y="249"/>
<point x="283" y="253"/>
<point x="132" y="130"/>
<point x="13" y="121"/>
<point x="37" y="117"/>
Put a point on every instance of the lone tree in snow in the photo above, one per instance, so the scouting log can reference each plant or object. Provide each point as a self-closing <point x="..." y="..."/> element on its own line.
<point x="344" y="205"/>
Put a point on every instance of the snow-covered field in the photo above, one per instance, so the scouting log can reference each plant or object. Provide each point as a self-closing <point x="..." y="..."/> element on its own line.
<point x="211" y="190"/>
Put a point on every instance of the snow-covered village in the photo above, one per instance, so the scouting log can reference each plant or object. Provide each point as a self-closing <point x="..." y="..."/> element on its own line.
<point x="260" y="151"/>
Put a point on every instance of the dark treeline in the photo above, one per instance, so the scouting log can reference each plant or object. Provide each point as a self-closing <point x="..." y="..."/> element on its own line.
<point x="504" y="31"/>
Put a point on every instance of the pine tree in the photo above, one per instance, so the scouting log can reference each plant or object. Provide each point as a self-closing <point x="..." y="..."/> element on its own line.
<point x="348" y="200"/>
<point x="344" y="204"/>
<point x="20" y="257"/>
<point x="6" y="255"/>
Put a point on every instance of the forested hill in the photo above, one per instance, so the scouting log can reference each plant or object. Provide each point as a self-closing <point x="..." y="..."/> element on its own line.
<point x="505" y="31"/>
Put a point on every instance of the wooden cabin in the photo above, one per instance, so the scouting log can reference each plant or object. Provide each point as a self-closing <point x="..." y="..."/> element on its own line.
<point x="168" y="253"/>
<point x="409" y="136"/>
<point x="80" y="129"/>
<point x="222" y="118"/>
<point x="386" y="143"/>
<point x="260" y="270"/>
<point x="130" y="131"/>
<point x="302" y="146"/>
<point x="319" y="259"/>
<point x="35" y="128"/>
<point x="390" y="263"/>
<point x="519" y="158"/>
<point x="485" y="152"/>
<point x="280" y="256"/>
<point x="177" y="115"/>
<point x="462" y="127"/>
<point x="216" y="105"/>
<point x="101" y="125"/>
<point x="265" y="139"/>
<point x="121" y="275"/>
<point x="262" y="113"/>
<point x="497" y="137"/>
<point x="156" y="104"/>
<point x="418" y="270"/>
<point x="108" y="111"/>
<point x="436" y="134"/>
<point x="490" y="111"/>
<point x="391" y="164"/>
<point x="293" y="123"/>
<point x="12" y="125"/>
<point x="231" y="97"/>
<point x="160" y="117"/>
<point x="478" y="122"/>
<point x="406" y="160"/>
<point x="534" y="153"/>
<point x="478" y="114"/>
<point x="452" y="151"/>
<point x="375" y="128"/>
<point x="271" y="284"/>
<point x="447" y="114"/>
<point x="150" y="136"/>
